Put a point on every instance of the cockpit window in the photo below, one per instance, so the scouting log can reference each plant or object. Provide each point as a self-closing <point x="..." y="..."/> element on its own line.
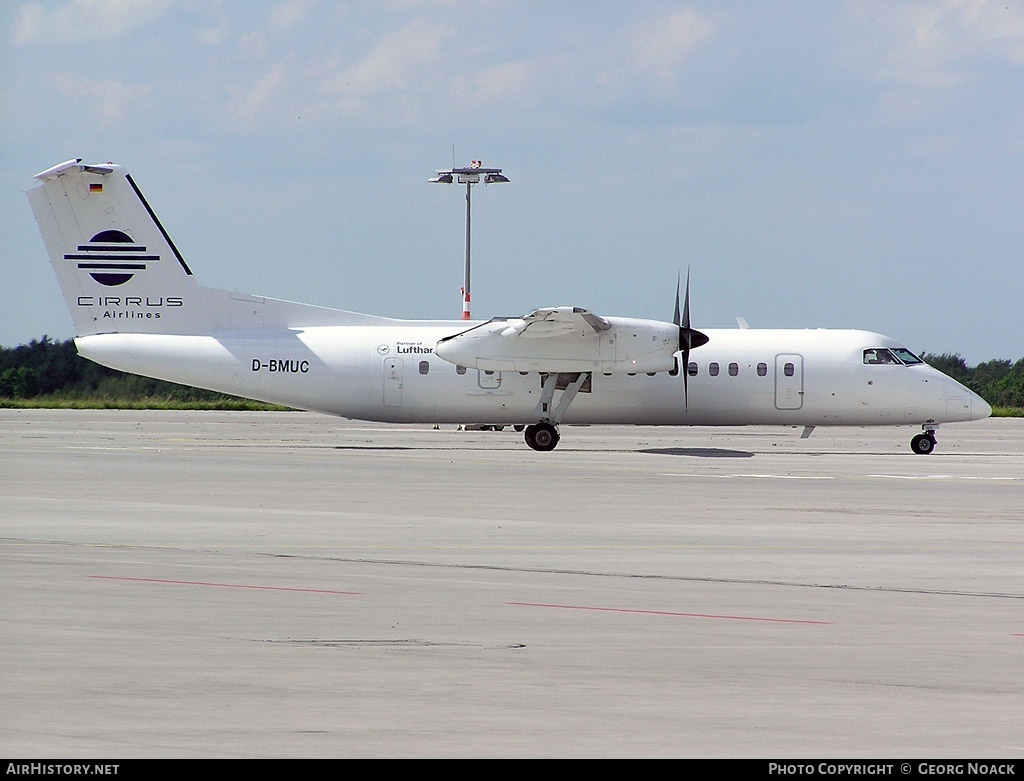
<point x="906" y="356"/>
<point x="896" y="355"/>
<point x="877" y="355"/>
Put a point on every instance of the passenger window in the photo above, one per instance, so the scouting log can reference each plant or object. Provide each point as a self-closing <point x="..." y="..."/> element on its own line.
<point x="734" y="369"/>
<point x="762" y="369"/>
<point x="789" y="370"/>
<point x="691" y="368"/>
<point x="713" y="369"/>
<point x="424" y="367"/>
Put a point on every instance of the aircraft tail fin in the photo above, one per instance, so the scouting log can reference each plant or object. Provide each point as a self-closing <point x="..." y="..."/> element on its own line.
<point x="120" y="272"/>
<point x="118" y="269"/>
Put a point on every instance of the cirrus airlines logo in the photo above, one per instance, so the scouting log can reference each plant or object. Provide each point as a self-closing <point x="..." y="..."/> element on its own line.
<point x="111" y="257"/>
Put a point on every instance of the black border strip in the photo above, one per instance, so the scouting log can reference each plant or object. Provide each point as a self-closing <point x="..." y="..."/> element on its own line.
<point x="167" y="238"/>
<point x="115" y="266"/>
<point x="97" y="256"/>
<point x="106" y="247"/>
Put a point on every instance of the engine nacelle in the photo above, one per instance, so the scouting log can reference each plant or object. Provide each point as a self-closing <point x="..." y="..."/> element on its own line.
<point x="565" y="340"/>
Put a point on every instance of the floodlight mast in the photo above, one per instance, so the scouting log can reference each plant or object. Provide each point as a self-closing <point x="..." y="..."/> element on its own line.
<point x="474" y="173"/>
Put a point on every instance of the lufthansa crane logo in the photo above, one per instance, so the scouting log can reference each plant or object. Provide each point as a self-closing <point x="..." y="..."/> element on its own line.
<point x="111" y="257"/>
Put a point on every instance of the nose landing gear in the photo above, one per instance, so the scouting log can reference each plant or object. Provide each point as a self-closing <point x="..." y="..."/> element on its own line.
<point x="924" y="443"/>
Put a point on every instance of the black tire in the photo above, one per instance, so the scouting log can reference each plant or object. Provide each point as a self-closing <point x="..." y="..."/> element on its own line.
<point x="922" y="444"/>
<point x="528" y="436"/>
<point x="545" y="437"/>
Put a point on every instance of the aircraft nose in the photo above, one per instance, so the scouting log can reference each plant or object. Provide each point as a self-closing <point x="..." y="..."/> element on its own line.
<point x="961" y="402"/>
<point x="964" y="404"/>
<point x="980" y="409"/>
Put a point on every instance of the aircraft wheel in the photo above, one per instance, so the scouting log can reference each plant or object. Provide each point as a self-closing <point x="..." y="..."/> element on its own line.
<point x="922" y="444"/>
<point x="542" y="437"/>
<point x="519" y="427"/>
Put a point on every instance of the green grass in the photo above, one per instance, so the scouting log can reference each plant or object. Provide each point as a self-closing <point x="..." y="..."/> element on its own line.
<point x="1008" y="412"/>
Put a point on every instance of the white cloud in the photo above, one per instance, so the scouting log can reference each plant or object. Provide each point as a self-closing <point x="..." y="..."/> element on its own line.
<point x="289" y="14"/>
<point x="505" y="81"/>
<point x="253" y="44"/>
<point x="660" y="46"/>
<point x="396" y="61"/>
<point x="108" y="100"/>
<point x="213" y="34"/>
<point x="942" y="44"/>
<point x="83" y="20"/>
<point x="249" y="105"/>
<point x="1001" y="27"/>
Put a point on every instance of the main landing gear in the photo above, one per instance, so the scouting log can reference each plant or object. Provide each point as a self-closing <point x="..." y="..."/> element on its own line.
<point x="924" y="443"/>
<point x="541" y="436"/>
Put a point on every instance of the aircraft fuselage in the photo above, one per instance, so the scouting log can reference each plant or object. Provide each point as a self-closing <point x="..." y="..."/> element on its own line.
<point x="811" y="377"/>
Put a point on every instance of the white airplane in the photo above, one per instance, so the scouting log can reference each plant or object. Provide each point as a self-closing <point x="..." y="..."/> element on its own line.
<point x="137" y="307"/>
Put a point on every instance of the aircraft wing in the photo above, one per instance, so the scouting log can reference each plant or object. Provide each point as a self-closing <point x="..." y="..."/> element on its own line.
<point x="564" y="339"/>
<point x="558" y="321"/>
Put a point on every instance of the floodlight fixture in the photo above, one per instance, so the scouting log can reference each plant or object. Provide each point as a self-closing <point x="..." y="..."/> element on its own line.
<point x="472" y="174"/>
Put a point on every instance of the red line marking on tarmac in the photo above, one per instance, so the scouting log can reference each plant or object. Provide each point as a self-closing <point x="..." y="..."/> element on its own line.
<point x="228" y="585"/>
<point x="671" y="613"/>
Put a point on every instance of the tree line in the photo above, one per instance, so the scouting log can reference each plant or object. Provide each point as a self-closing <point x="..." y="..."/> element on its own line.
<point x="999" y="382"/>
<point x="45" y="369"/>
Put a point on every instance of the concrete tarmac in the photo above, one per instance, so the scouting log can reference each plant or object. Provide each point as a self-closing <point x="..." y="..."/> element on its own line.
<point x="207" y="584"/>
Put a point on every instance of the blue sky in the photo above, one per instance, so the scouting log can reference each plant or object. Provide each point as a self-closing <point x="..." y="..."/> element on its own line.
<point x="842" y="164"/>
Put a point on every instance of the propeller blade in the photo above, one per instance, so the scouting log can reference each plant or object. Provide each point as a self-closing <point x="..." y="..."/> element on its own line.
<point x="675" y="315"/>
<point x="686" y="302"/>
<point x="689" y="338"/>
